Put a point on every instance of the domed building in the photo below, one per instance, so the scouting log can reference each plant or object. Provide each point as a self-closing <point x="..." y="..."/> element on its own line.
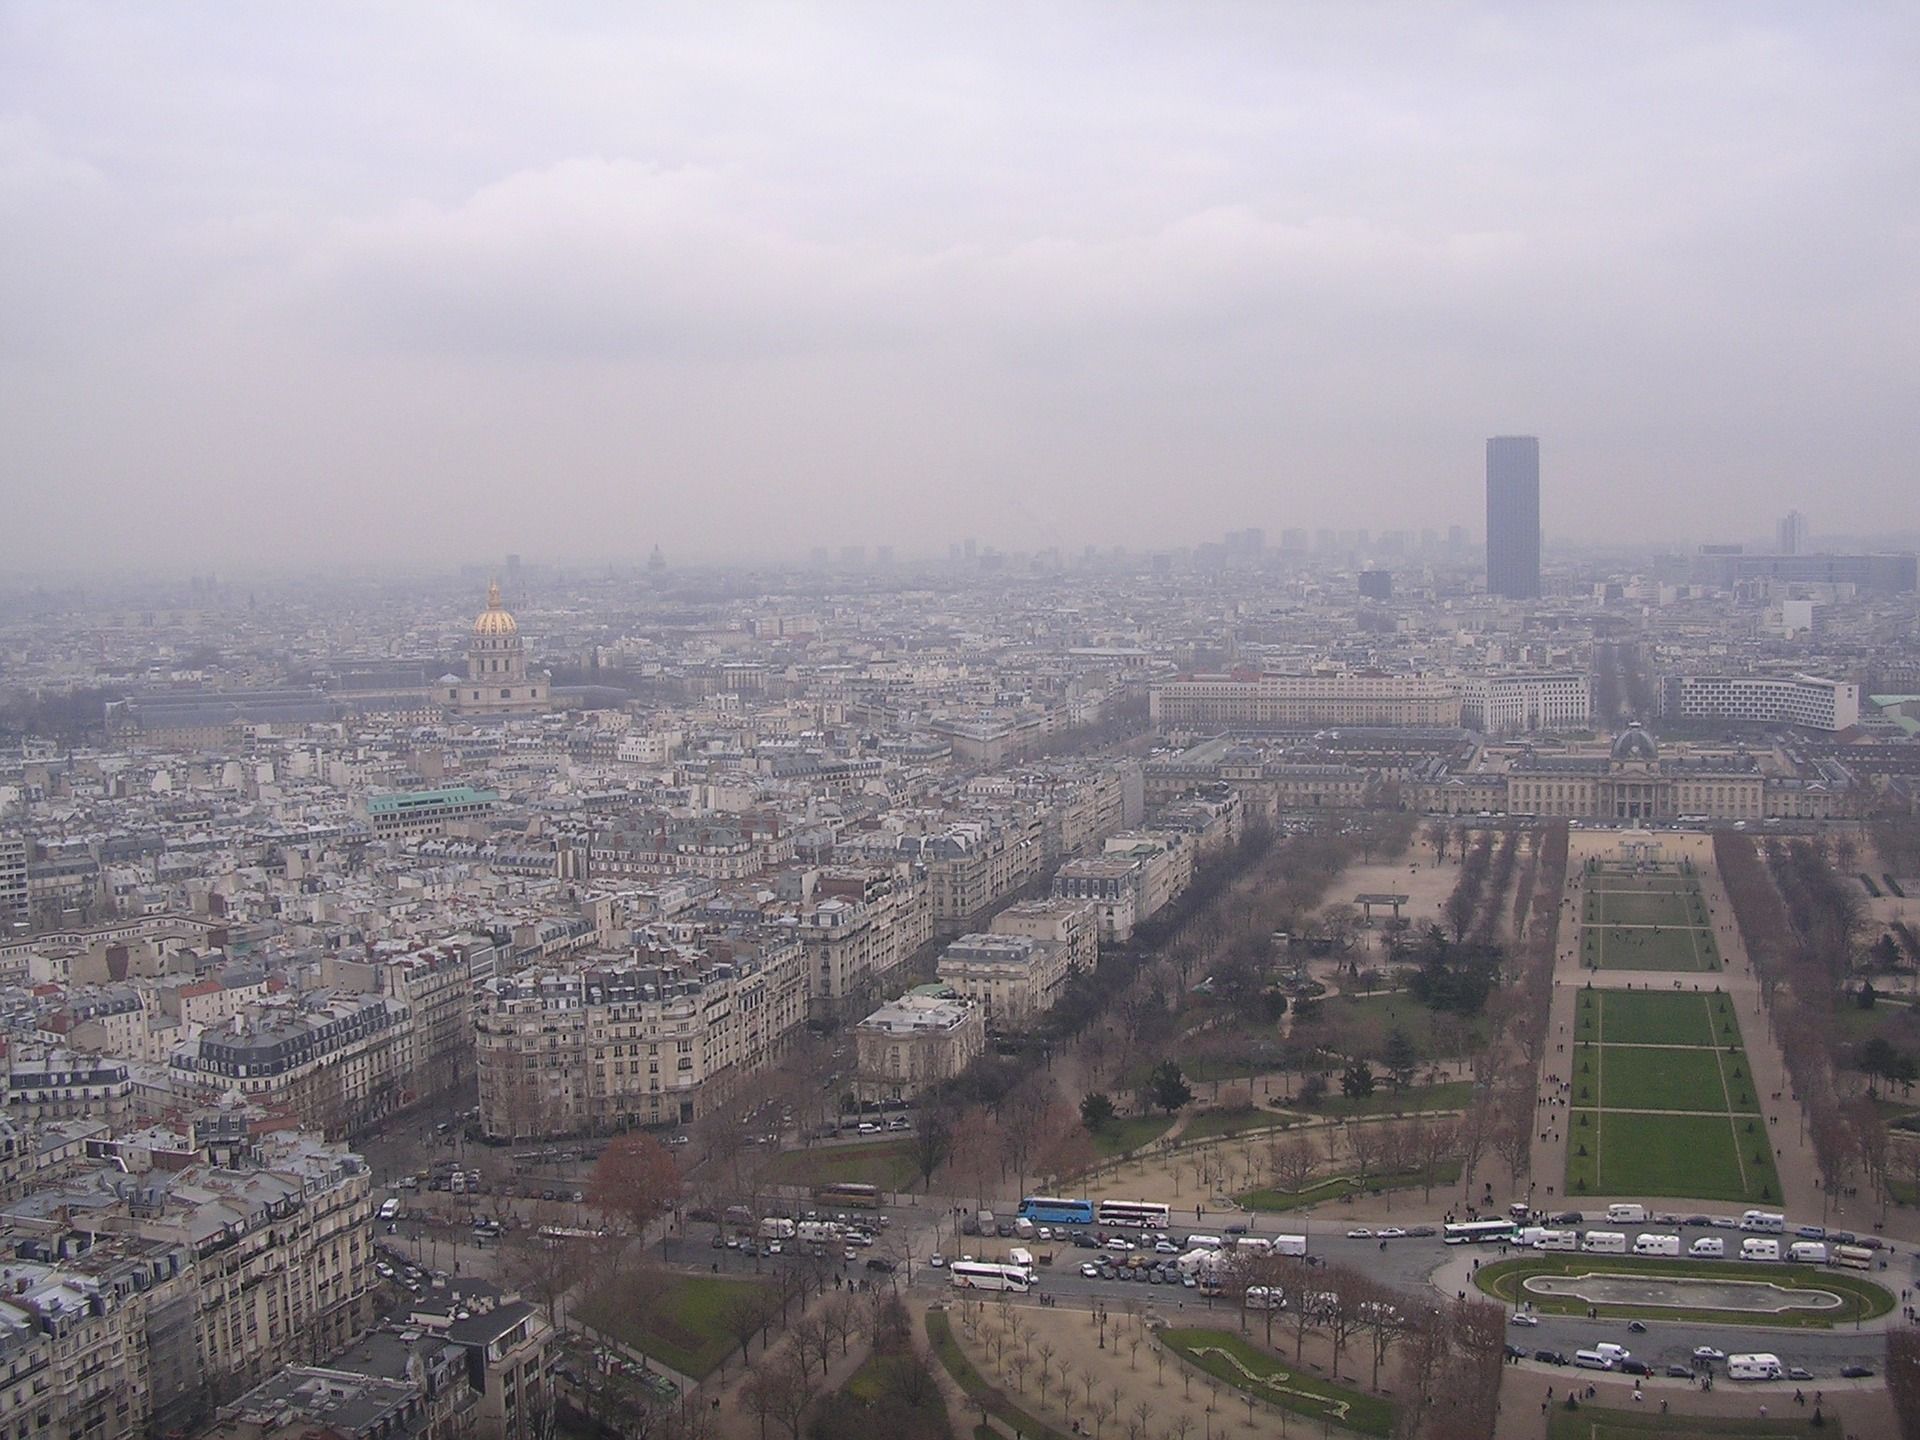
<point x="497" y="681"/>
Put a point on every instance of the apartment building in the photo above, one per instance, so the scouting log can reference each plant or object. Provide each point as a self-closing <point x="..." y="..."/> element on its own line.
<point x="51" y="1082"/>
<point x="1256" y="701"/>
<point x="1012" y="979"/>
<point x="1073" y="925"/>
<point x="915" y="1042"/>
<point x="334" y="1061"/>
<point x="1523" y="704"/>
<point x="281" y="1254"/>
<point x="418" y="814"/>
<point x="433" y="984"/>
<point x="13" y="881"/>
<point x="655" y="1038"/>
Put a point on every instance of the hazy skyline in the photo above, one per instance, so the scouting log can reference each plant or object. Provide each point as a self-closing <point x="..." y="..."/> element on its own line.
<point x="376" y="283"/>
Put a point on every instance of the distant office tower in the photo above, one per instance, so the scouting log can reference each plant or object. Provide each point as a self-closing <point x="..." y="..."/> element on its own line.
<point x="1513" y="516"/>
<point x="1376" y="584"/>
<point x="1792" y="533"/>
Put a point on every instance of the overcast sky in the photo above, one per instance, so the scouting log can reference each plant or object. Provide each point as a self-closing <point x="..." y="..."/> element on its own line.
<point x="407" y="281"/>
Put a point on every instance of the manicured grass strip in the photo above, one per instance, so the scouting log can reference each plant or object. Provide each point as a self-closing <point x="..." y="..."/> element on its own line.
<point x="1863" y="1299"/>
<point x="680" y="1320"/>
<point x="1687" y="951"/>
<point x="1334" y="1186"/>
<point x="1214" y="1124"/>
<point x="1652" y="1017"/>
<point x="978" y="1387"/>
<point x="1685" y="1156"/>
<point x="1118" y="1137"/>
<point x="1259" y="1372"/>
<point x="887" y="1163"/>
<point x="1642" y="1077"/>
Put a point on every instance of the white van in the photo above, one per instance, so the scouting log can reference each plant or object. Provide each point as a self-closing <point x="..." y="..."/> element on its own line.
<point x="1203" y="1242"/>
<point x="1253" y="1245"/>
<point x="777" y="1227"/>
<point x="1591" y="1360"/>
<point x="1618" y="1354"/>
<point x="1289" y="1244"/>
<point x="1023" y="1228"/>
<point x="1657" y="1245"/>
<point x="1807" y="1252"/>
<point x="1708" y="1247"/>
<point x="1022" y="1258"/>
<point x="1754" y="1367"/>
<point x="1627" y="1214"/>
<point x="1559" y="1240"/>
<point x="1759" y="1249"/>
<point x="389" y="1209"/>
<point x="1763" y="1222"/>
<point x="1604" y="1242"/>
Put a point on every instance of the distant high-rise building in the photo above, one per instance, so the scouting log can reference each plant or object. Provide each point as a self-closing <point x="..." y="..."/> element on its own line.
<point x="1792" y="533"/>
<point x="1513" y="517"/>
<point x="1294" y="542"/>
<point x="1376" y="584"/>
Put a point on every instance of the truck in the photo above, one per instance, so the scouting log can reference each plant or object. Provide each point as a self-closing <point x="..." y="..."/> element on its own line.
<point x="1656" y="1245"/>
<point x="775" y="1228"/>
<point x="1759" y="1366"/>
<point x="818" y="1232"/>
<point x="1627" y="1214"/>
<point x="1763" y="1222"/>
<point x="1289" y="1244"/>
<point x="1759" y="1249"/>
<point x="1253" y="1245"/>
<point x="1559" y="1240"/>
<point x="1807" y="1252"/>
<point x="1604" y="1242"/>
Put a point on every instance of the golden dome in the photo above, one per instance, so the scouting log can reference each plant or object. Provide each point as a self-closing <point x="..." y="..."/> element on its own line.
<point x="494" y="620"/>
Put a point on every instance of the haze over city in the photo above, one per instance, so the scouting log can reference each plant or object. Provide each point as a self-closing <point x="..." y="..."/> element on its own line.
<point x="331" y="286"/>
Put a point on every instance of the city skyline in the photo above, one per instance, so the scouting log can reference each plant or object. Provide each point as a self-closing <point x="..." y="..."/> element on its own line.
<point x="1283" y="266"/>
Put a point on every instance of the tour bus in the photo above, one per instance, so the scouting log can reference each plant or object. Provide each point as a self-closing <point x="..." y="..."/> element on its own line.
<point x="1708" y="1247"/>
<point x="1627" y="1214"/>
<point x="1051" y="1210"/>
<point x="1754" y="1367"/>
<point x="1205" y="1242"/>
<point x="981" y="1275"/>
<point x="775" y="1227"/>
<point x="1807" y="1252"/>
<point x="1853" y="1257"/>
<point x="1759" y="1249"/>
<point x="1604" y="1242"/>
<point x="1763" y="1222"/>
<point x="1479" y="1232"/>
<point x="1289" y="1244"/>
<point x="1138" y="1214"/>
<point x="848" y="1196"/>
<point x="1656" y="1245"/>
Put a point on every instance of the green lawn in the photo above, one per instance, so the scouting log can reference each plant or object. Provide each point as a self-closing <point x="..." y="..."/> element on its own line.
<point x="1214" y="1124"/>
<point x="1864" y="1300"/>
<point x="1415" y="1099"/>
<point x="1255" y="1370"/>
<point x="1129" y="1132"/>
<point x="1359" y="1027"/>
<point x="1641" y="1077"/>
<point x="680" y="1320"/>
<point x="1591" y="1422"/>
<point x="1612" y="947"/>
<point x="1653" y="1017"/>
<point x="1645" y="907"/>
<point x="1334" y="1186"/>
<point x="886" y="1163"/>
<point x="1700" y="1157"/>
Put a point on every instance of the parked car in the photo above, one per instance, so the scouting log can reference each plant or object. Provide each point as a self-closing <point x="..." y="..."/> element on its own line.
<point x="1679" y="1372"/>
<point x="937" y="1260"/>
<point x="1423" y="1232"/>
<point x="1550" y="1357"/>
<point x="1522" y="1317"/>
<point x="1799" y="1372"/>
<point x="1359" y="1232"/>
<point x="880" y="1264"/>
<point x="1707" y="1352"/>
<point x="1638" y="1327"/>
<point x="1090" y="1270"/>
<point x="1392" y="1232"/>
<point x="1856" y="1372"/>
<point x="1635" y="1367"/>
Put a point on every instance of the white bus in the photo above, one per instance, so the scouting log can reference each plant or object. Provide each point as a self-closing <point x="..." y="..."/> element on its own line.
<point x="1138" y="1214"/>
<point x="980" y="1275"/>
<point x="1479" y="1232"/>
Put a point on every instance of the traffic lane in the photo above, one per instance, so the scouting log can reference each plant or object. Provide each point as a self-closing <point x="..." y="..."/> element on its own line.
<point x="1672" y="1342"/>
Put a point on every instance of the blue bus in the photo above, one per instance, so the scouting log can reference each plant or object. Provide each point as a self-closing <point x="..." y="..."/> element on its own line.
<point x="1048" y="1210"/>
